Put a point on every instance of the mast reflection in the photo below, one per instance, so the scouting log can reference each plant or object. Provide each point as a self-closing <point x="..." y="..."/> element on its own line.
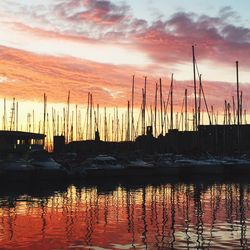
<point x="171" y="215"/>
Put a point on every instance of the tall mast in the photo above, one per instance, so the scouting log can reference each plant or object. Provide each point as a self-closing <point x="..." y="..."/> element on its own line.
<point x="90" y="118"/>
<point x="128" y="123"/>
<point x="225" y="112"/>
<point x="122" y="127"/>
<point x="72" y="127"/>
<point x="213" y="115"/>
<point x="161" y="106"/>
<point x="171" y="102"/>
<point x="241" y="107"/>
<point x="186" y="110"/>
<point x="234" y="116"/>
<point x="16" y="116"/>
<point x="143" y="113"/>
<point x="145" y="105"/>
<point x="195" y="99"/>
<point x="48" y="139"/>
<point x="12" y="120"/>
<point x="64" y="122"/>
<point x="97" y="120"/>
<point x="238" y="105"/>
<point x="151" y="116"/>
<point x="117" y="125"/>
<point x="44" y="112"/>
<point x="238" y="94"/>
<point x="76" y="123"/>
<point x="229" y="113"/>
<point x="67" y="132"/>
<point x="155" y="120"/>
<point x="33" y="120"/>
<point x="132" y="109"/>
<point x="53" y="123"/>
<point x="87" y="122"/>
<point x="4" y="121"/>
<point x="199" y="105"/>
<point x="105" y="124"/>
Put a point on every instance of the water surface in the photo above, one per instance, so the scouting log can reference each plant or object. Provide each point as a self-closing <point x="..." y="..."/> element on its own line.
<point x="159" y="215"/>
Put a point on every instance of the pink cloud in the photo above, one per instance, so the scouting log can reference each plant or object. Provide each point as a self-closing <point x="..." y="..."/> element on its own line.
<point x="165" y="41"/>
<point x="101" y="12"/>
<point x="217" y="41"/>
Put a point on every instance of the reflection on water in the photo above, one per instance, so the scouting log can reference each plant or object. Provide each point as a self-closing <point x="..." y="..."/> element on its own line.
<point x="146" y="216"/>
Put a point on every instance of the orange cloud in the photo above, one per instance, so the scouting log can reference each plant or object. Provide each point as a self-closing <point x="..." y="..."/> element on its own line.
<point x="27" y="76"/>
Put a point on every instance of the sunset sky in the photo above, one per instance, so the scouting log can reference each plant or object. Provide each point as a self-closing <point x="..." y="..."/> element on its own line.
<point x="90" y="45"/>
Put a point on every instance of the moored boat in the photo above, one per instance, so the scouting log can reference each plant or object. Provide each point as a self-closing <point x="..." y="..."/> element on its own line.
<point x="101" y="165"/>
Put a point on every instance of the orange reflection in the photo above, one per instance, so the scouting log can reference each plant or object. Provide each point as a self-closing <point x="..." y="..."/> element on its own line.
<point x="162" y="216"/>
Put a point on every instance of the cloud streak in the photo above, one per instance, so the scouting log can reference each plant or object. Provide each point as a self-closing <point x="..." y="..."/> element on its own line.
<point x="27" y="76"/>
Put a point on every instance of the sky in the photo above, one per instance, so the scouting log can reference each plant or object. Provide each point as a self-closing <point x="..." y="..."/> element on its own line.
<point x="97" y="46"/>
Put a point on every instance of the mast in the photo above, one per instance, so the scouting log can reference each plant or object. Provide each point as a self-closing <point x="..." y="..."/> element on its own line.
<point x="234" y="115"/>
<point x="72" y="127"/>
<point x="199" y="104"/>
<point x="76" y="123"/>
<point x="33" y="120"/>
<point x="105" y="124"/>
<point x="67" y="132"/>
<point x="161" y="106"/>
<point x="128" y="123"/>
<point x="144" y="95"/>
<point x="241" y="98"/>
<point x="155" y="120"/>
<point x="225" y="113"/>
<point x="117" y="125"/>
<point x="213" y="115"/>
<point x="151" y="116"/>
<point x="12" y="119"/>
<point x="91" y="116"/>
<point x="132" y="109"/>
<point x="186" y="121"/>
<point x="238" y="105"/>
<point x="64" y="123"/>
<point x="16" y="116"/>
<point x="59" y="124"/>
<point x="28" y="122"/>
<point x="122" y="127"/>
<point x="4" y="121"/>
<point x="87" y="122"/>
<point x="145" y="102"/>
<point x="238" y="94"/>
<point x="171" y="102"/>
<point x="44" y="112"/>
<point x="48" y="139"/>
<point x="195" y="99"/>
<point x="53" y="123"/>
<point x="229" y="112"/>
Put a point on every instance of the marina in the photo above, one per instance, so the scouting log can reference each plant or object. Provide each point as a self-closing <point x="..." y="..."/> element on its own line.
<point x="124" y="125"/>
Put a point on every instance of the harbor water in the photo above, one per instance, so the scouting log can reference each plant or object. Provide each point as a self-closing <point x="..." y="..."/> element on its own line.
<point x="159" y="214"/>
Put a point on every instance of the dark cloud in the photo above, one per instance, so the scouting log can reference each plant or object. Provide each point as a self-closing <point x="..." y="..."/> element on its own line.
<point x="216" y="39"/>
<point x="93" y="11"/>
